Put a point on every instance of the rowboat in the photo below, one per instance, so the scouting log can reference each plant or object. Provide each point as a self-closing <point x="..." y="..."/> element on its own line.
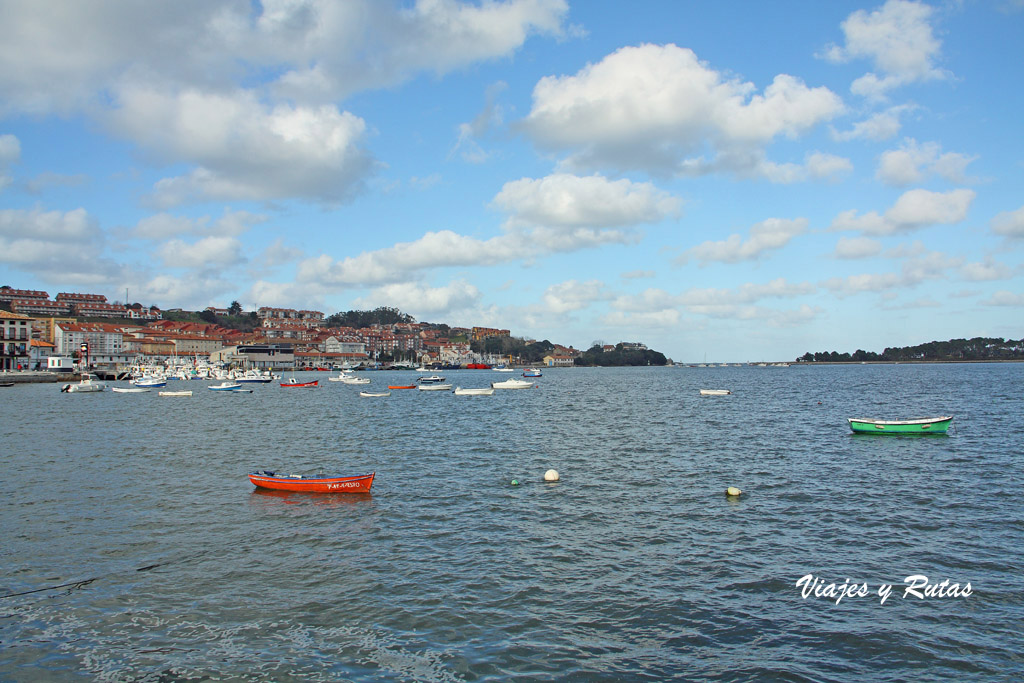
<point x="923" y="425"/>
<point x="175" y="393"/>
<point x="485" y="391"/>
<point x="296" y="383"/>
<point x="359" y="483"/>
<point x="435" y="387"/>
<point x="401" y="386"/>
<point x="132" y="390"/>
<point x="512" y="384"/>
<point x="715" y="392"/>
<point x="372" y="394"/>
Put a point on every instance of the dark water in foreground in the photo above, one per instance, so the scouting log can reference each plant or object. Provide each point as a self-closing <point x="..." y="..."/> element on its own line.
<point x="157" y="560"/>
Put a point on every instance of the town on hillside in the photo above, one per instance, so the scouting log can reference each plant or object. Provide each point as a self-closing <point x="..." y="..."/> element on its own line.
<point x="79" y="330"/>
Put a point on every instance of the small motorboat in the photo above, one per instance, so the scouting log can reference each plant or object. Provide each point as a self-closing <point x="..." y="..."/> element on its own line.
<point x="401" y="386"/>
<point x="433" y="379"/>
<point x="175" y="393"/>
<point x="296" y="383"/>
<point x="483" y="391"/>
<point x="150" y="382"/>
<point x="715" y="392"/>
<point x="225" y="386"/>
<point x="923" y="425"/>
<point x="130" y="390"/>
<point x="359" y="483"/>
<point x="374" y="394"/>
<point x="85" y="385"/>
<point x="433" y="386"/>
<point x="531" y="372"/>
<point x="512" y="383"/>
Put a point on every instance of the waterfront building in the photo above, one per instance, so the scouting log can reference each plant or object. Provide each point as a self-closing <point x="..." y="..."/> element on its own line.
<point x="15" y="339"/>
<point x="106" y="341"/>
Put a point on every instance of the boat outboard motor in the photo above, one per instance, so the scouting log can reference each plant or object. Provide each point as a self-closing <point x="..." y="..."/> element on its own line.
<point x="64" y="389"/>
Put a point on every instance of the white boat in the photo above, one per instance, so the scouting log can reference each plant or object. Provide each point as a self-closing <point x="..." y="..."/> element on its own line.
<point x="433" y="379"/>
<point x="130" y="390"/>
<point x="225" y="386"/>
<point x="484" y="391"/>
<point x="435" y="387"/>
<point x="715" y="392"/>
<point x="355" y="380"/>
<point x="175" y="393"/>
<point x="150" y="382"/>
<point x="85" y="385"/>
<point x="503" y="369"/>
<point x="512" y="383"/>
<point x="370" y="394"/>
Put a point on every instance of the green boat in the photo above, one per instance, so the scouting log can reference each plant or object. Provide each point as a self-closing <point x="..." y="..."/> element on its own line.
<point x="924" y="425"/>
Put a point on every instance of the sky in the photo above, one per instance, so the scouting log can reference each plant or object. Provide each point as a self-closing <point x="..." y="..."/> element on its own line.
<point x="722" y="181"/>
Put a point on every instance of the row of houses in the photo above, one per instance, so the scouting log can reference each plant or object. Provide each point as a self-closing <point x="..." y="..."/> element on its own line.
<point x="37" y="303"/>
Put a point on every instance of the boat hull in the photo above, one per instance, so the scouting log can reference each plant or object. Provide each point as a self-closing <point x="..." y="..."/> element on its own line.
<point x="314" y="383"/>
<point x="927" y="425"/>
<point x="360" y="483"/>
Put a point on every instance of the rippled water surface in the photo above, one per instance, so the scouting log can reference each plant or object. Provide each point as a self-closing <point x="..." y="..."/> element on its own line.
<point x="134" y="548"/>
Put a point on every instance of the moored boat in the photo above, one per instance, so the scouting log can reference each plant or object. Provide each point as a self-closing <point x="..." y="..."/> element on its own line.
<point x="296" y="383"/>
<point x="483" y="391"/>
<point x="715" y="392"/>
<point x="359" y="483"/>
<point x="401" y="386"/>
<point x="923" y="425"/>
<point x="131" y="390"/>
<point x="84" y="386"/>
<point x="512" y="383"/>
<point x="175" y="393"/>
<point x="531" y="372"/>
<point x="374" y="394"/>
<point x="435" y="387"/>
<point x="225" y="386"/>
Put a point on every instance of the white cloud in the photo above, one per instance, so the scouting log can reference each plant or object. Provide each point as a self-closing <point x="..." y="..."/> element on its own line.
<point x="881" y="125"/>
<point x="245" y="149"/>
<point x="659" y="109"/>
<point x="163" y="226"/>
<point x="857" y="247"/>
<point x="1009" y="223"/>
<point x="418" y="299"/>
<point x="10" y="152"/>
<point x="986" y="272"/>
<point x="573" y="295"/>
<point x="910" y="163"/>
<point x="898" y="38"/>
<point x="925" y="266"/>
<point x="210" y="251"/>
<point x="569" y="201"/>
<point x="1005" y="298"/>
<point x="913" y="210"/>
<point x="770" y="234"/>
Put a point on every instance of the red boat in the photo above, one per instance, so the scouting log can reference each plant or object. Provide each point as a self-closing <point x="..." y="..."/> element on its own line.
<point x="296" y="383"/>
<point x="359" y="483"/>
<point x="401" y="386"/>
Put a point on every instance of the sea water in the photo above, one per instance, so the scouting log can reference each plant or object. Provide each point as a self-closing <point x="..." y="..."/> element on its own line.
<point x="135" y="549"/>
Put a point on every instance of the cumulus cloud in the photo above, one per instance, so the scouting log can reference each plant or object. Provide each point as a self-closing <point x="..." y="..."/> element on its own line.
<point x="912" y="162"/>
<point x="659" y="109"/>
<point x="1009" y="223"/>
<point x="561" y="213"/>
<point x="986" y="272"/>
<point x="915" y="270"/>
<point x="881" y="125"/>
<point x="857" y="247"/>
<point x="10" y="152"/>
<point x="164" y="225"/>
<point x="573" y="295"/>
<point x="768" y="235"/>
<point x="913" y="210"/>
<point x="1005" y="298"/>
<point x="210" y="251"/>
<point x="420" y="300"/>
<point x="898" y="39"/>
<point x="64" y="246"/>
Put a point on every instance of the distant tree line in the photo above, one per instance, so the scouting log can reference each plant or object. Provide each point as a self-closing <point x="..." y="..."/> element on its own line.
<point x="526" y="352"/>
<point x="382" y="315"/>
<point x="978" y="348"/>
<point x="619" y="356"/>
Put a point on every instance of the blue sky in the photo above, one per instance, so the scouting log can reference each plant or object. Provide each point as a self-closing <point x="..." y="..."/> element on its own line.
<point x="730" y="181"/>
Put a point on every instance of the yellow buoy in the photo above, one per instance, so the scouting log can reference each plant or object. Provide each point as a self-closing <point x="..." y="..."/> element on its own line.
<point x="732" y="491"/>
<point x="551" y="475"/>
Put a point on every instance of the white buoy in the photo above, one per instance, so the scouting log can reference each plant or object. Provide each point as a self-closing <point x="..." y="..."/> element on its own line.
<point x="732" y="491"/>
<point x="551" y="475"/>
